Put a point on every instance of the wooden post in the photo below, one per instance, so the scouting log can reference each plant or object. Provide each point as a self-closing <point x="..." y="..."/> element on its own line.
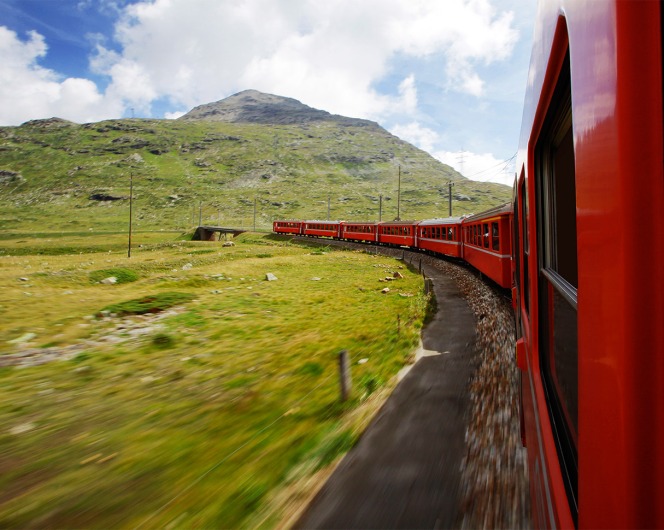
<point x="420" y="264"/>
<point x="344" y="375"/>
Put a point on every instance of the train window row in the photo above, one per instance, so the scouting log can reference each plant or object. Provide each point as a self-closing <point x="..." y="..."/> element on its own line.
<point x="360" y="229"/>
<point x="395" y="230"/>
<point x="486" y="235"/>
<point x="287" y="224"/>
<point x="318" y="226"/>
<point x="439" y="232"/>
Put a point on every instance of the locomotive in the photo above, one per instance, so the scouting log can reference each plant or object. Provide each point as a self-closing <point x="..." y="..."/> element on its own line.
<point x="580" y="247"/>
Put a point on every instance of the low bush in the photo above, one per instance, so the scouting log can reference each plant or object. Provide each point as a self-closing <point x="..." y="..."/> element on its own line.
<point x="148" y="304"/>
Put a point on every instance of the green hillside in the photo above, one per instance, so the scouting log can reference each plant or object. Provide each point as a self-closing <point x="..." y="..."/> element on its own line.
<point x="60" y="176"/>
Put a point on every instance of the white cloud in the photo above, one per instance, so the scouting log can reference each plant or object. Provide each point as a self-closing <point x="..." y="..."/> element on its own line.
<point x="408" y="93"/>
<point x="29" y="91"/>
<point x="340" y="55"/>
<point x="481" y="167"/>
<point x="329" y="55"/>
<point x="414" y="133"/>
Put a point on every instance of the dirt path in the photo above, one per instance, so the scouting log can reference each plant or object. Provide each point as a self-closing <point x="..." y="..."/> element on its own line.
<point x="405" y="472"/>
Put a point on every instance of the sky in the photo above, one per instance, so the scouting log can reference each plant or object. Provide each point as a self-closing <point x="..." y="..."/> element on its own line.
<point x="448" y="76"/>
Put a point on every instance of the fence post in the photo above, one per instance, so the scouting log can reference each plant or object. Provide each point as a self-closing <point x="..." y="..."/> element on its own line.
<point x="344" y="375"/>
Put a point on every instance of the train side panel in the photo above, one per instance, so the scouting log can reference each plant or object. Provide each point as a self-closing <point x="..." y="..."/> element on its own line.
<point x="359" y="231"/>
<point x="442" y="236"/>
<point x="487" y="244"/>
<point x="398" y="233"/>
<point x="287" y="227"/>
<point x="322" y="229"/>
<point x="589" y="261"/>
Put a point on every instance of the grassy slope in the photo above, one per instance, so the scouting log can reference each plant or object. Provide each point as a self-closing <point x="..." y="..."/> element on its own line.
<point x="208" y="418"/>
<point x="290" y="170"/>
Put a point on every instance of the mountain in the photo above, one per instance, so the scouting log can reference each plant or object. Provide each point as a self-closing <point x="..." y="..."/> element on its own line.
<point x="249" y="156"/>
<point x="252" y="106"/>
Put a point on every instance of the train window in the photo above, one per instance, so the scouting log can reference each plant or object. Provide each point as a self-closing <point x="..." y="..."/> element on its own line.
<point x="558" y="276"/>
<point x="495" y="241"/>
<point x="525" y="234"/>
<point x="485" y="234"/>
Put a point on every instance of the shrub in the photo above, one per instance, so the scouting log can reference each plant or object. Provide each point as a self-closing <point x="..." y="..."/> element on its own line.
<point x="163" y="340"/>
<point x="148" y="304"/>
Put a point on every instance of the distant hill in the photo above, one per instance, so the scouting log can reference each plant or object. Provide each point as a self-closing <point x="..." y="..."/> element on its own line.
<point x="252" y="106"/>
<point x="215" y="163"/>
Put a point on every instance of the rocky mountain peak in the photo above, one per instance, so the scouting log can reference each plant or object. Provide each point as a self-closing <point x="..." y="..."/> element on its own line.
<point x="252" y="106"/>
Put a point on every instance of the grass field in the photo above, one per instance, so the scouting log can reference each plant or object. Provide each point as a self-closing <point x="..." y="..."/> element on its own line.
<point x="219" y="407"/>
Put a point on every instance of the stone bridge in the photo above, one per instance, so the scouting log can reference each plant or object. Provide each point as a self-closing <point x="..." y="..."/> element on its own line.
<point x="207" y="233"/>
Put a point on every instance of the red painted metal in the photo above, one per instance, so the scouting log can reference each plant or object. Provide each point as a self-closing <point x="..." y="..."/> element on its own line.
<point x="442" y="236"/>
<point x="287" y="227"/>
<point x="400" y="233"/>
<point x="359" y="231"/>
<point x="322" y="229"/>
<point x="487" y="243"/>
<point x="615" y="50"/>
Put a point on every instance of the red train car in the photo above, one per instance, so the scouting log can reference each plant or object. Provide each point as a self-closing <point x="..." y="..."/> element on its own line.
<point x="401" y="233"/>
<point x="442" y="236"/>
<point x="287" y="227"/>
<point x="589" y="264"/>
<point x="487" y="243"/>
<point x="322" y="228"/>
<point x="359" y="231"/>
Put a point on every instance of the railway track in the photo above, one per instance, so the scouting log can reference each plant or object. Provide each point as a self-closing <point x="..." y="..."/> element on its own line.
<point x="493" y="470"/>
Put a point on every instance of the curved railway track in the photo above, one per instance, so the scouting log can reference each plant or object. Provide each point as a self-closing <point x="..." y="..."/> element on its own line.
<point x="493" y="471"/>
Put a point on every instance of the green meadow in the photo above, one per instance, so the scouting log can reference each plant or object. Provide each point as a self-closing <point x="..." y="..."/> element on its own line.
<point x="190" y="391"/>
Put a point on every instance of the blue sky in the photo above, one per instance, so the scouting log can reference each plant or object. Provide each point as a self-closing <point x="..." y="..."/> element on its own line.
<point x="448" y="76"/>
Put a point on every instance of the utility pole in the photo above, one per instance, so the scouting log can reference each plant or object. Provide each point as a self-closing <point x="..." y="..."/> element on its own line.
<point x="449" y="186"/>
<point x="460" y="157"/>
<point x="131" y="200"/>
<point x="200" y="213"/>
<point x="399" y="197"/>
<point x="255" y="200"/>
<point x="380" y="209"/>
<point x="328" y="207"/>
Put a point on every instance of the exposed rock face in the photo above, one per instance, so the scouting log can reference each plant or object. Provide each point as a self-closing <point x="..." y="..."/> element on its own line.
<point x="252" y="106"/>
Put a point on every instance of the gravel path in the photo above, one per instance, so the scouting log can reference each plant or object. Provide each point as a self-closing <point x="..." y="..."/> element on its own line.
<point x="494" y="475"/>
<point x="494" y="471"/>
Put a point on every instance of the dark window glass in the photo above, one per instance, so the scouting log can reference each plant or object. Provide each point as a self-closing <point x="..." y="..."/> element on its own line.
<point x="495" y="240"/>
<point x="558" y="277"/>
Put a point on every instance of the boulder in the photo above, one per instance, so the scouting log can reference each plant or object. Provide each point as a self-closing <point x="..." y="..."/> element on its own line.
<point x="270" y="277"/>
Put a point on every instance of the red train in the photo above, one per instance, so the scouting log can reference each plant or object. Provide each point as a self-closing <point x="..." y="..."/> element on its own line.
<point x="589" y="264"/>
<point x="582" y="248"/>
<point x="483" y="240"/>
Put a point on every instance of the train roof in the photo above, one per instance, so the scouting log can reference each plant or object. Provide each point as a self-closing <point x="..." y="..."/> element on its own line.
<point x="493" y="212"/>
<point x="441" y="221"/>
<point x="323" y="222"/>
<point x="399" y="223"/>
